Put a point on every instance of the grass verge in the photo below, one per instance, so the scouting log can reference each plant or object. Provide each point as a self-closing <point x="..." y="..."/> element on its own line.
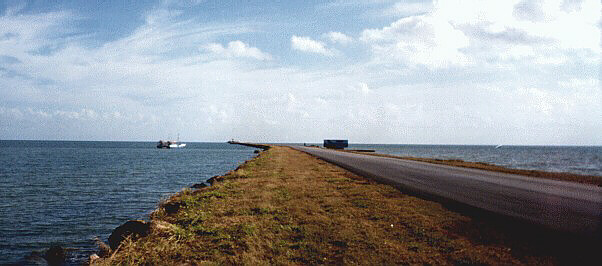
<point x="286" y="207"/>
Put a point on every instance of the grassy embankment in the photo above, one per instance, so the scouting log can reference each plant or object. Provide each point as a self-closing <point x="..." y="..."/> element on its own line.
<point x="583" y="179"/>
<point x="286" y="207"/>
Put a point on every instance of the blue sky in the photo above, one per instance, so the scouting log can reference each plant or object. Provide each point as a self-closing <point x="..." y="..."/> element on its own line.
<point x="372" y="71"/>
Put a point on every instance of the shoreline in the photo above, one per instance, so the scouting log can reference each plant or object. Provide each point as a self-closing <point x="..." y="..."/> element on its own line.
<point x="275" y="208"/>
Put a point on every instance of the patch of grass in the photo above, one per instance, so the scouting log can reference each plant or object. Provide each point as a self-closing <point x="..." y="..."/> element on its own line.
<point x="180" y="233"/>
<point x="246" y="229"/>
<point x="361" y="203"/>
<point x="282" y="194"/>
<point x="216" y="194"/>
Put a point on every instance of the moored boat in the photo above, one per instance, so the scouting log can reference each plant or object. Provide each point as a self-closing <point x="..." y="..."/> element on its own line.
<point x="170" y="144"/>
<point x="175" y="145"/>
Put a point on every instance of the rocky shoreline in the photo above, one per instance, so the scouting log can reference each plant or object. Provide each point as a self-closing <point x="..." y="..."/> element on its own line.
<point x="135" y="229"/>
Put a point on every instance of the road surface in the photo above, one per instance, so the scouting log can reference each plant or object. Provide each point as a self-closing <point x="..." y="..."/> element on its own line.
<point x="559" y="205"/>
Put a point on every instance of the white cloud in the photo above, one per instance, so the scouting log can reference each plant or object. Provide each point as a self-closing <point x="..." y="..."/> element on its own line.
<point x="10" y="113"/>
<point x="529" y="10"/>
<point x="144" y="77"/>
<point x="306" y="44"/>
<point x="486" y="74"/>
<point x="458" y="32"/>
<point x="86" y="114"/>
<point x="15" y="9"/>
<point x="65" y="116"/>
<point x="337" y="37"/>
<point x="409" y="8"/>
<point x="424" y="40"/>
<point x="574" y="28"/>
<point x="580" y="84"/>
<point x="24" y="33"/>
<point x="364" y="89"/>
<point x="237" y="49"/>
<point x="339" y="4"/>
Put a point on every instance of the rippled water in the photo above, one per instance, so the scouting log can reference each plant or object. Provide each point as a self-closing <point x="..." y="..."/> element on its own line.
<point x="585" y="160"/>
<point x="69" y="192"/>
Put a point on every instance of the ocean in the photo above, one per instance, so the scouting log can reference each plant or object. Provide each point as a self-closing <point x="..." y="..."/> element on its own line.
<point x="68" y="193"/>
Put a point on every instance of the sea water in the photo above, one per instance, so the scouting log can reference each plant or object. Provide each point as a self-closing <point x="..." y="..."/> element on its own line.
<point x="68" y="193"/>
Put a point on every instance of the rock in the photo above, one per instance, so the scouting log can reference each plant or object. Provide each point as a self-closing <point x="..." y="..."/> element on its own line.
<point x="55" y="255"/>
<point x="92" y="258"/>
<point x="134" y="229"/>
<point x="199" y="185"/>
<point x="172" y="207"/>
<point x="103" y="249"/>
<point x="35" y="258"/>
<point x="256" y="151"/>
<point x="214" y="179"/>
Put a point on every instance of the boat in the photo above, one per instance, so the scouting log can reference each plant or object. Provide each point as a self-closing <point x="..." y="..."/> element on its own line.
<point x="170" y="144"/>
<point x="176" y="145"/>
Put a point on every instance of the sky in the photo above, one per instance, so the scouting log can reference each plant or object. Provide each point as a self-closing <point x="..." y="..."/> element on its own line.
<point x="371" y="71"/>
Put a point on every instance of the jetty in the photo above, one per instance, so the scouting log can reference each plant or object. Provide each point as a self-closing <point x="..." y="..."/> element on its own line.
<point x="253" y="145"/>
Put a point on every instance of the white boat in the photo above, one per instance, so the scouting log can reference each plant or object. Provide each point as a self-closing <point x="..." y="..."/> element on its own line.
<point x="175" y="145"/>
<point x="170" y="144"/>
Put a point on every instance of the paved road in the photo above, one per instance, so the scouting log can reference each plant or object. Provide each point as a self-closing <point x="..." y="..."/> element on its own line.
<point x="559" y="205"/>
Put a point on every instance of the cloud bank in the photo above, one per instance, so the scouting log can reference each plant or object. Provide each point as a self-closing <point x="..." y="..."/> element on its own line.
<point x="451" y="72"/>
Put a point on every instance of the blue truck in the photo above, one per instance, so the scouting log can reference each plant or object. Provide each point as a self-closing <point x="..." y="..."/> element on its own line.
<point x="336" y="143"/>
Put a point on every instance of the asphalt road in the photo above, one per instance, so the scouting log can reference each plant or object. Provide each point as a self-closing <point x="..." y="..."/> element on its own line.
<point x="559" y="205"/>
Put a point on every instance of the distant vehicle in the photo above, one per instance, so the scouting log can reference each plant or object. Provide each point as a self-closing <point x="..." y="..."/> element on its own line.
<point x="336" y="143"/>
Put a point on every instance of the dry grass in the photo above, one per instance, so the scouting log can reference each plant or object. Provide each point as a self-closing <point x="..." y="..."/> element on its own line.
<point x="286" y="207"/>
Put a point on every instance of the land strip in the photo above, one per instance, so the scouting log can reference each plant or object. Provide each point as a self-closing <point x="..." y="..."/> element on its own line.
<point x="252" y="145"/>
<point x="286" y="207"/>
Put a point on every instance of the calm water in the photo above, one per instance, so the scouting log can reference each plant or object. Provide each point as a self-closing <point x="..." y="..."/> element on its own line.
<point x="573" y="159"/>
<point x="69" y="192"/>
